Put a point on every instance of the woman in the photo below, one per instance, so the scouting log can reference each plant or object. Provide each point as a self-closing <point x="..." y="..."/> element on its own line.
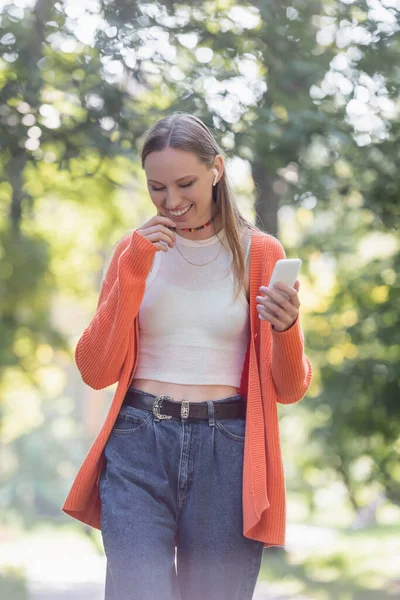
<point x="188" y="459"/>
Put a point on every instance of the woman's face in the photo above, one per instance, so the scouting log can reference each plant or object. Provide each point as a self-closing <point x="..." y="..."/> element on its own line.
<point x="177" y="180"/>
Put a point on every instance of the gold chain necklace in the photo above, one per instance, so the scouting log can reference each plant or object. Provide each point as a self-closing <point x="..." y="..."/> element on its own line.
<point x="207" y="263"/>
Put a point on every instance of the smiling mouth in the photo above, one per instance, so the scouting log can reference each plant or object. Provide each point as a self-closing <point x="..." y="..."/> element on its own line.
<point x="180" y="214"/>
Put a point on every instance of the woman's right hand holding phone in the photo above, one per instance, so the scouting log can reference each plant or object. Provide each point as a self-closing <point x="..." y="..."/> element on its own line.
<point x="157" y="230"/>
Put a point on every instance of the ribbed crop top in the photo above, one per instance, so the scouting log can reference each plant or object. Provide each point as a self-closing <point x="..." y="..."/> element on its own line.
<point x="191" y="330"/>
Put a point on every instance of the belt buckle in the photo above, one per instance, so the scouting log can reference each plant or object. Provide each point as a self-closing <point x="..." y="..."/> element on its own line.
<point x="157" y="405"/>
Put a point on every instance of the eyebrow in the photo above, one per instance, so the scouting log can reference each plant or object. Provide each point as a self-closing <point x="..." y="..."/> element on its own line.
<point x="180" y="178"/>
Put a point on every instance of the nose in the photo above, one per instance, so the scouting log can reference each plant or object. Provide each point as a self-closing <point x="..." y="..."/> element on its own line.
<point x="173" y="203"/>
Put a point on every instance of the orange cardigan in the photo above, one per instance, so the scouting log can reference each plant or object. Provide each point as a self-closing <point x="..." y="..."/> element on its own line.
<point x="276" y="370"/>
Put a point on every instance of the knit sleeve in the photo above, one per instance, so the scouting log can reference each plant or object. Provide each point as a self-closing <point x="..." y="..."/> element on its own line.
<point x="291" y="368"/>
<point x="102" y="348"/>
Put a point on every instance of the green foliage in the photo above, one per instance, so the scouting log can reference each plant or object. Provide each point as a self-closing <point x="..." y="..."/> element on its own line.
<point x="345" y="566"/>
<point x="71" y="121"/>
<point x="13" y="584"/>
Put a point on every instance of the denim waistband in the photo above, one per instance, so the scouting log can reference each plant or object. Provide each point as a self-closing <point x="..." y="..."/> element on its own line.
<point x="228" y="399"/>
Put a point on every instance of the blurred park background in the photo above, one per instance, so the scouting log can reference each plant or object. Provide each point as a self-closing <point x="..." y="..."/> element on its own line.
<point x="303" y="97"/>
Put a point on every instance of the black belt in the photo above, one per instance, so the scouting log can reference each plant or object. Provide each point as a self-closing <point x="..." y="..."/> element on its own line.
<point x="164" y="408"/>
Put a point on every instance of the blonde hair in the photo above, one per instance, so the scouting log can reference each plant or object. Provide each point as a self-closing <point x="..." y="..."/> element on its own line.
<point x="185" y="131"/>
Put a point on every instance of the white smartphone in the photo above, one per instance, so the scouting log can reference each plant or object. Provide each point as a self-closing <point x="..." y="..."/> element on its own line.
<point x="286" y="270"/>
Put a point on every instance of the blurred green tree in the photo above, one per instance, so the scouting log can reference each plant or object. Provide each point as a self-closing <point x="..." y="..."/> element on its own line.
<point x="306" y="93"/>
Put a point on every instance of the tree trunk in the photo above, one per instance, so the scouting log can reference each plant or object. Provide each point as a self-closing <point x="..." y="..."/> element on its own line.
<point x="267" y="200"/>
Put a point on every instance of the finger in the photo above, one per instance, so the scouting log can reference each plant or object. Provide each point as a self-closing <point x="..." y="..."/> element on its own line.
<point x="291" y="291"/>
<point x="285" y="316"/>
<point x="164" y="246"/>
<point x="267" y="303"/>
<point x="275" y="296"/>
<point x="264" y="314"/>
<point x="166" y="220"/>
<point x="268" y="306"/>
<point x="279" y="295"/>
<point x="278" y="299"/>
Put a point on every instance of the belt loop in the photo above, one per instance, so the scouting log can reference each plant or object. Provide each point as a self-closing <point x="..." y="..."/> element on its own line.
<point x="185" y="406"/>
<point x="211" y="419"/>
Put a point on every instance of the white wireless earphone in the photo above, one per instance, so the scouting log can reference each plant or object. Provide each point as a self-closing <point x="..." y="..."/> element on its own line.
<point x="216" y="176"/>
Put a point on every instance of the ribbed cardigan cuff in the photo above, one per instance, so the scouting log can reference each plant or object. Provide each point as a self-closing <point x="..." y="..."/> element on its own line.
<point x="135" y="261"/>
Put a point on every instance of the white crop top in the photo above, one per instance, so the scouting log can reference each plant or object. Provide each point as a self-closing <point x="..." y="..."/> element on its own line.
<point x="191" y="330"/>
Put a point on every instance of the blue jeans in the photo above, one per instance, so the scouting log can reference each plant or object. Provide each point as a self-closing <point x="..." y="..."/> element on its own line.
<point x="169" y="477"/>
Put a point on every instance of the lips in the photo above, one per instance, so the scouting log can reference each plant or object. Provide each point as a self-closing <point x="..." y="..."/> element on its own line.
<point x="181" y="215"/>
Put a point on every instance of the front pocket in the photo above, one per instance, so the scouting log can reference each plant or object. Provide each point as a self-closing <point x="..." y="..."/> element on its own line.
<point x="130" y="419"/>
<point x="232" y="428"/>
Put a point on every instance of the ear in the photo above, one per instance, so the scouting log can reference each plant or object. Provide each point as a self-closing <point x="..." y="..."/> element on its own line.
<point x="219" y="164"/>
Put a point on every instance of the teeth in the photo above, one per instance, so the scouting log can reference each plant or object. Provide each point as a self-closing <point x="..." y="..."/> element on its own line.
<point x="182" y="212"/>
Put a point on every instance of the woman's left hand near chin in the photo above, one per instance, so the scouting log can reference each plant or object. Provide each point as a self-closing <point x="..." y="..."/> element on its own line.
<point x="280" y="305"/>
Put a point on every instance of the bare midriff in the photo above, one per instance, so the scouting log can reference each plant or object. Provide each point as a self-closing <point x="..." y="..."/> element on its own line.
<point x="179" y="392"/>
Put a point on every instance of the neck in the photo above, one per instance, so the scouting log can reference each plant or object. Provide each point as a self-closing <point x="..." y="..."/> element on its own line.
<point x="202" y="234"/>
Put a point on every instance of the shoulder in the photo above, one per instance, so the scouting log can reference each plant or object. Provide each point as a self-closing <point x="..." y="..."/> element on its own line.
<point x="269" y="240"/>
<point x="274" y="245"/>
<point x="273" y="249"/>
